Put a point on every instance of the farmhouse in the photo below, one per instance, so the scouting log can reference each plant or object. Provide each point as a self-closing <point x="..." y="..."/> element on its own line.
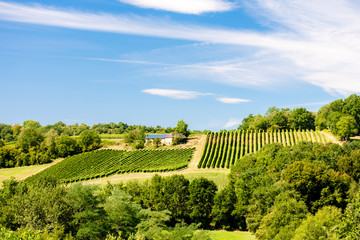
<point x="165" y="139"/>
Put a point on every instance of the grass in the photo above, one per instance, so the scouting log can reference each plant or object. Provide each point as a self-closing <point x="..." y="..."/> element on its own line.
<point x="111" y="136"/>
<point x="227" y="235"/>
<point x="20" y="173"/>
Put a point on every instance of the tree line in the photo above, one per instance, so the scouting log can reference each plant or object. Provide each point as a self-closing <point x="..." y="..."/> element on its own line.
<point x="34" y="147"/>
<point x="10" y="133"/>
<point x="340" y="117"/>
<point x="47" y="210"/>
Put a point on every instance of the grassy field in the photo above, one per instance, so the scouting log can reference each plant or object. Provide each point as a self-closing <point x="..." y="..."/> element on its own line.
<point x="20" y="173"/>
<point x="226" y="235"/>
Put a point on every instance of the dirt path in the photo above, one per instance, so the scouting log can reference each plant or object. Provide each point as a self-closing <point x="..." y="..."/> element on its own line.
<point x="197" y="141"/>
<point x="198" y="152"/>
<point x="331" y="138"/>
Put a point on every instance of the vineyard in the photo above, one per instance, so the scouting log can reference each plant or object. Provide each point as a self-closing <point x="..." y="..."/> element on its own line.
<point x="103" y="163"/>
<point x="222" y="149"/>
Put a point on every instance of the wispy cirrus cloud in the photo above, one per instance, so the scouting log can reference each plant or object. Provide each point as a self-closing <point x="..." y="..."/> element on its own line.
<point x="184" y="6"/>
<point x="317" y="40"/>
<point x="232" y="100"/>
<point x="175" y="94"/>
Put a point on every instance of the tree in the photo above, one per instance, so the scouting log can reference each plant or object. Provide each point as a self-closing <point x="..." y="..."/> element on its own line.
<point x="65" y="146"/>
<point x="224" y="206"/>
<point x="182" y="128"/>
<point x="300" y="118"/>
<point x="31" y="124"/>
<point x="2" y="143"/>
<point x="157" y="142"/>
<point x="346" y="127"/>
<point x="89" y="140"/>
<point x="283" y="218"/>
<point x="350" y="227"/>
<point x="245" y="124"/>
<point x="134" y="135"/>
<point x="40" y="206"/>
<point x="322" y="225"/>
<point x="89" y="219"/>
<point x="352" y="107"/>
<point x="350" y="164"/>
<point x="123" y="214"/>
<point x="201" y="201"/>
<point x="279" y="119"/>
<point x="29" y="138"/>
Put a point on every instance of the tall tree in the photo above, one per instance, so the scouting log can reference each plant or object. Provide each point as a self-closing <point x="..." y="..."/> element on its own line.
<point x="29" y="138"/>
<point x="346" y="127"/>
<point x="300" y="118"/>
<point x="182" y="128"/>
<point x="201" y="201"/>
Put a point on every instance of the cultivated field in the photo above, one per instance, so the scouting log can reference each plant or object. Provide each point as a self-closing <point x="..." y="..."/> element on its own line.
<point x="106" y="162"/>
<point x="222" y="149"/>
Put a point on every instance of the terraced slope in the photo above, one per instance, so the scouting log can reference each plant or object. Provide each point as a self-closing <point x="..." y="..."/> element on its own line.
<point x="106" y="162"/>
<point x="222" y="149"/>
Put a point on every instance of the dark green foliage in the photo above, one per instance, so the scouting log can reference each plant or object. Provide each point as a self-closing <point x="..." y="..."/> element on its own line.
<point x="300" y="119"/>
<point x="6" y="132"/>
<point x="40" y="206"/>
<point x="222" y="212"/>
<point x="276" y="187"/>
<point x="88" y="216"/>
<point x="66" y="146"/>
<point x="30" y="138"/>
<point x="319" y="187"/>
<point x="169" y="193"/>
<point x="350" y="165"/>
<point x="89" y="140"/>
<point x="201" y="200"/>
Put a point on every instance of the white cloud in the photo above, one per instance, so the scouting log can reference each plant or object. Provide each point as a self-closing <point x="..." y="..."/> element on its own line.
<point x="232" y="100"/>
<point x="232" y="122"/>
<point x="175" y="94"/>
<point x="184" y="6"/>
<point x="312" y="41"/>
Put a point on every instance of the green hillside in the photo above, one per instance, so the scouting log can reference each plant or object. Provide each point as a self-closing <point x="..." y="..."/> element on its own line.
<point x="222" y="149"/>
<point x="106" y="162"/>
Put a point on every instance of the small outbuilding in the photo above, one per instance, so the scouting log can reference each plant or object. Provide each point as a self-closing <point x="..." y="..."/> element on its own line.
<point x="165" y="139"/>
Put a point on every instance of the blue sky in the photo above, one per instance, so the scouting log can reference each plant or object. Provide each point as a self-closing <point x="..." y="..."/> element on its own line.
<point x="154" y="62"/>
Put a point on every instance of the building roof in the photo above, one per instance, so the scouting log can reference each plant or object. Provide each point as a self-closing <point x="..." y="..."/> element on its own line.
<point x="171" y="135"/>
<point x="161" y="136"/>
<point x="153" y="136"/>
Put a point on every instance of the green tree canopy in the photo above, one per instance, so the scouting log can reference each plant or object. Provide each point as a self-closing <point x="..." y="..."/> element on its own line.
<point x="182" y="127"/>
<point x="346" y="127"/>
<point x="89" y="140"/>
<point x="29" y="138"/>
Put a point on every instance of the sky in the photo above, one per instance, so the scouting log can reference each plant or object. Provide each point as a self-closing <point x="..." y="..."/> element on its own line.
<point x="154" y="62"/>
